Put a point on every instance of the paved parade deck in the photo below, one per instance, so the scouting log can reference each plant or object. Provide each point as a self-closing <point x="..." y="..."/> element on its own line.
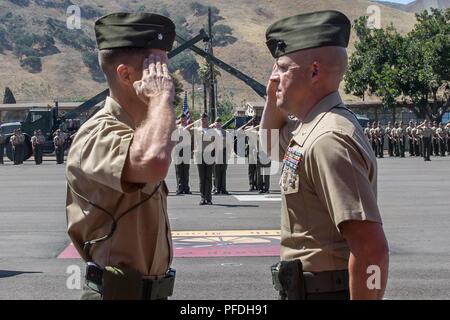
<point x="224" y="251"/>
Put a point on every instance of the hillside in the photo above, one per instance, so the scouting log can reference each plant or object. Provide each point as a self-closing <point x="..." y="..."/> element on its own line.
<point x="418" y="5"/>
<point x="64" y="74"/>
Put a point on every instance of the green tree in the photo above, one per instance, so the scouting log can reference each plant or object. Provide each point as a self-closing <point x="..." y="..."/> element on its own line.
<point x="204" y="72"/>
<point x="186" y="64"/>
<point x="182" y="27"/>
<point x="22" y="3"/>
<point x="222" y="35"/>
<point x="414" y="67"/>
<point x="225" y="107"/>
<point x="425" y="65"/>
<point x="4" y="43"/>
<point x="373" y="68"/>
<point x="178" y="101"/>
<point x="33" y="64"/>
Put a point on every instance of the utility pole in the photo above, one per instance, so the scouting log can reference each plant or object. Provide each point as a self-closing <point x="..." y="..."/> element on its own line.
<point x="205" y="92"/>
<point x="193" y="92"/>
<point x="212" y="99"/>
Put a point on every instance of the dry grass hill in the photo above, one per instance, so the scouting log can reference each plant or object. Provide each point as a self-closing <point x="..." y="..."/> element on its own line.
<point x="418" y="5"/>
<point x="64" y="75"/>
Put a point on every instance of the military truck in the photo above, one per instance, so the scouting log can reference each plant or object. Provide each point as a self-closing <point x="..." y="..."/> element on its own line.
<point x="48" y="120"/>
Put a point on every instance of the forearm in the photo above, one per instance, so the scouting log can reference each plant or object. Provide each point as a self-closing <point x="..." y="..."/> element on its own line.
<point x="152" y="138"/>
<point x="367" y="283"/>
<point x="272" y="119"/>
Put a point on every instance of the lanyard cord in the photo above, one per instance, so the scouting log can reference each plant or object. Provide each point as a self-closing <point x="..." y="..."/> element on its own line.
<point x="88" y="244"/>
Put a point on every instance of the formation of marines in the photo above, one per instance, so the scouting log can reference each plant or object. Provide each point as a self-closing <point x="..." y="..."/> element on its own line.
<point x="420" y="140"/>
<point x="198" y="138"/>
<point x="18" y="146"/>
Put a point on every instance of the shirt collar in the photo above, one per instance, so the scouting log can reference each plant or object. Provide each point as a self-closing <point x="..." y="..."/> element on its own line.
<point x="114" y="108"/>
<point x="315" y="115"/>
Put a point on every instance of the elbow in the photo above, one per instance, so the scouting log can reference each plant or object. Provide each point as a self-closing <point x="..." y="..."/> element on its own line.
<point x="366" y="240"/>
<point x="374" y="251"/>
<point x="159" y="165"/>
<point x="152" y="166"/>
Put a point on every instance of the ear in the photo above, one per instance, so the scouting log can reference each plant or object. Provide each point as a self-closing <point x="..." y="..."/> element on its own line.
<point x="124" y="75"/>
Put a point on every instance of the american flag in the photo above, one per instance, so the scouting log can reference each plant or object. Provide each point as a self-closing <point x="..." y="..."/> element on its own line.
<point x="186" y="109"/>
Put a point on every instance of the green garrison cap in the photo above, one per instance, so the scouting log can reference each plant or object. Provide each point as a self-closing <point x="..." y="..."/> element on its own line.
<point x="134" y="30"/>
<point x="308" y="30"/>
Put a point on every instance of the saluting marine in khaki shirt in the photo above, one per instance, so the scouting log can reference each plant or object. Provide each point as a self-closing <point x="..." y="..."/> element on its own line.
<point x="329" y="176"/>
<point x="426" y="132"/>
<point x="59" y="139"/>
<point x="17" y="139"/>
<point x="37" y="139"/>
<point x="441" y="134"/>
<point x="367" y="133"/>
<point x="94" y="169"/>
<point x="400" y="132"/>
<point x="380" y="132"/>
<point x="408" y="131"/>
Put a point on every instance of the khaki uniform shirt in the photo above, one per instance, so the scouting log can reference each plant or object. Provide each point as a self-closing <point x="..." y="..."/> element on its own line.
<point x="409" y="131"/>
<point x="440" y="133"/>
<point x="59" y="140"/>
<point x="434" y="135"/>
<point x="427" y="132"/>
<point x="203" y="145"/>
<point x="95" y="164"/>
<point x="416" y="132"/>
<point x="400" y="132"/>
<point x="224" y="145"/>
<point x="367" y="133"/>
<point x="373" y="134"/>
<point x="39" y="139"/>
<point x="253" y="144"/>
<point x="184" y="142"/>
<point x="17" y="139"/>
<point x="389" y="132"/>
<point x="329" y="176"/>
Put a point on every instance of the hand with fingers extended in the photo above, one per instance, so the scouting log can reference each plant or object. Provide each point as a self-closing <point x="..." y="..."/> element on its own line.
<point x="156" y="84"/>
<point x="272" y="86"/>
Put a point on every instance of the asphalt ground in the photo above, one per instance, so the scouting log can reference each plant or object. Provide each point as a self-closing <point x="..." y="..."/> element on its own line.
<point x="414" y="198"/>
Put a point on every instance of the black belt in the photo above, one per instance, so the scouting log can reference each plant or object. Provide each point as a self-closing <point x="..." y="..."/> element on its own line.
<point x="293" y="283"/>
<point x="152" y="289"/>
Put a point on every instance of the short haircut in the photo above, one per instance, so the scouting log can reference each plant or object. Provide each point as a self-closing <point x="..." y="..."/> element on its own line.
<point x="109" y="59"/>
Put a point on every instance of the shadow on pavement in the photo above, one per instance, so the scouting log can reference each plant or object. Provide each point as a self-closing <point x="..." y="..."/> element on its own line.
<point x="235" y="205"/>
<point x="13" y="273"/>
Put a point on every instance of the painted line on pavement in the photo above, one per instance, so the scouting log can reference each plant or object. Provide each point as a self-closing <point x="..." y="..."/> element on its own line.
<point x="215" y="243"/>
